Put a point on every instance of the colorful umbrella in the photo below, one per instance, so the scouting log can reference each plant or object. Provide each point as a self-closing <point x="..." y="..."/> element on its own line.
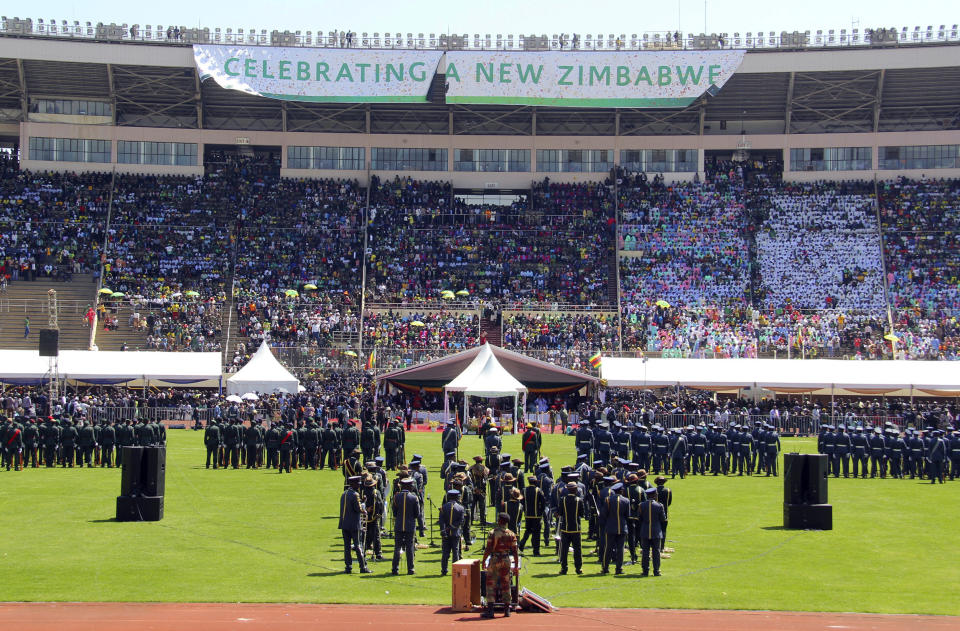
<point x="191" y="293"/>
<point x="663" y="303"/>
<point x="309" y="286"/>
<point x="106" y="290"/>
<point x="117" y="294"/>
<point x="890" y="337"/>
<point x="417" y="323"/>
<point x="350" y="353"/>
<point x="463" y="292"/>
<point x="446" y="294"/>
<point x="292" y="293"/>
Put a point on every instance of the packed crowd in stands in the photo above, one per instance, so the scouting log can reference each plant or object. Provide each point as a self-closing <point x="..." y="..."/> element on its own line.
<point x="738" y="265"/>
<point x="297" y="322"/>
<point x="819" y="248"/>
<point x="553" y="248"/>
<point x="301" y="232"/>
<point x="51" y="224"/>
<point x="921" y="221"/>
<point x="449" y="330"/>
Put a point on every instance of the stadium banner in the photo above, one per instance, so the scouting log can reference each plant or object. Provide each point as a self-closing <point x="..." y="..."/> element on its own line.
<point x="587" y="78"/>
<point x="321" y="74"/>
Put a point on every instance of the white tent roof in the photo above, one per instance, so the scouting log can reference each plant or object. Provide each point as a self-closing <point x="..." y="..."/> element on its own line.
<point x="818" y="376"/>
<point x="486" y="377"/>
<point x="263" y="373"/>
<point x="112" y="366"/>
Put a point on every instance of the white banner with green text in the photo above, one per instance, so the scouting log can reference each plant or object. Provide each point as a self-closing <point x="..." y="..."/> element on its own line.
<point x="321" y="74"/>
<point x="587" y="78"/>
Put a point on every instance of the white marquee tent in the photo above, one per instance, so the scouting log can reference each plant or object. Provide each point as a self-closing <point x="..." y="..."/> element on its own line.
<point x="485" y="376"/>
<point x="112" y="367"/>
<point x="263" y="373"/>
<point x="789" y="376"/>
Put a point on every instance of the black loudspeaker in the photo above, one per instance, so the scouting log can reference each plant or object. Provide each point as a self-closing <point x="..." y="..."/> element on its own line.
<point x="139" y="508"/>
<point x="804" y="479"/>
<point x="127" y="509"/>
<point x="49" y="342"/>
<point x="154" y="470"/>
<point x="793" y="478"/>
<point x="151" y="508"/>
<point x="131" y="481"/>
<point x="808" y="516"/>
<point x="815" y="479"/>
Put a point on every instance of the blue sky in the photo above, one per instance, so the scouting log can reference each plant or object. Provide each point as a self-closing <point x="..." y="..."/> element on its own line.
<point x="505" y="16"/>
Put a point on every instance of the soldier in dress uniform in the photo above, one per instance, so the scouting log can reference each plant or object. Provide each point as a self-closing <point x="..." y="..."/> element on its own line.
<point x="352" y="514"/>
<point x="841" y="450"/>
<point x="372" y="513"/>
<point x="251" y="443"/>
<point x="860" y="452"/>
<point x="878" y="459"/>
<point x="615" y="511"/>
<point x="51" y="440"/>
<point x="501" y="548"/>
<point x="87" y="442"/>
<point x="771" y="457"/>
<point x="652" y="521"/>
<point x="678" y="453"/>
<point x="640" y="442"/>
<point x="698" y="448"/>
<point x="31" y="443"/>
<point x="391" y="445"/>
<point x="478" y="477"/>
<point x="108" y="438"/>
<point x="452" y="519"/>
<point x="936" y="457"/>
<point x="406" y="514"/>
<point x="288" y="446"/>
<point x="570" y="511"/>
<point x="534" y="505"/>
<point x="661" y="449"/>
<point x="584" y="440"/>
<point x="530" y="443"/>
<point x="211" y="440"/>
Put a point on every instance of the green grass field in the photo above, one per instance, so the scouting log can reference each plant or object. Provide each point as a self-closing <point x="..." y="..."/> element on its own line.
<point x="256" y="536"/>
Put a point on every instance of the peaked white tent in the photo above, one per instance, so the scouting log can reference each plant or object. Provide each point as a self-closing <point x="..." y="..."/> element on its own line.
<point x="485" y="377"/>
<point x="263" y="373"/>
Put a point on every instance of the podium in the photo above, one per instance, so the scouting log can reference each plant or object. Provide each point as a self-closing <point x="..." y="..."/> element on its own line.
<point x="466" y="585"/>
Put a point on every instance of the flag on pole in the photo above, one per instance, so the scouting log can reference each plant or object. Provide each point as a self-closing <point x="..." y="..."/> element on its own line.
<point x="371" y="360"/>
<point x="595" y="360"/>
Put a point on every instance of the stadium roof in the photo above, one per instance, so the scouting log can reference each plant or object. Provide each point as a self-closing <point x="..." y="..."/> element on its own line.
<point x="804" y="91"/>
<point x="814" y="376"/>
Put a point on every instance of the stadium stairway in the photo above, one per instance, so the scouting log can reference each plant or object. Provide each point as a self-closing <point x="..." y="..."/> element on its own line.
<point x="124" y="333"/>
<point x="28" y="299"/>
<point x="491" y="328"/>
<point x="613" y="288"/>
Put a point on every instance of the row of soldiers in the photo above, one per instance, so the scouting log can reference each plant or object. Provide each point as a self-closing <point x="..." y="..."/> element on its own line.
<point x="67" y="442"/>
<point x="912" y="453"/>
<point x="305" y="445"/>
<point x="679" y="451"/>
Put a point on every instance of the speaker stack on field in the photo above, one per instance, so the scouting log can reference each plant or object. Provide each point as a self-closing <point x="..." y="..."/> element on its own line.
<point x="144" y="472"/>
<point x="805" y="504"/>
